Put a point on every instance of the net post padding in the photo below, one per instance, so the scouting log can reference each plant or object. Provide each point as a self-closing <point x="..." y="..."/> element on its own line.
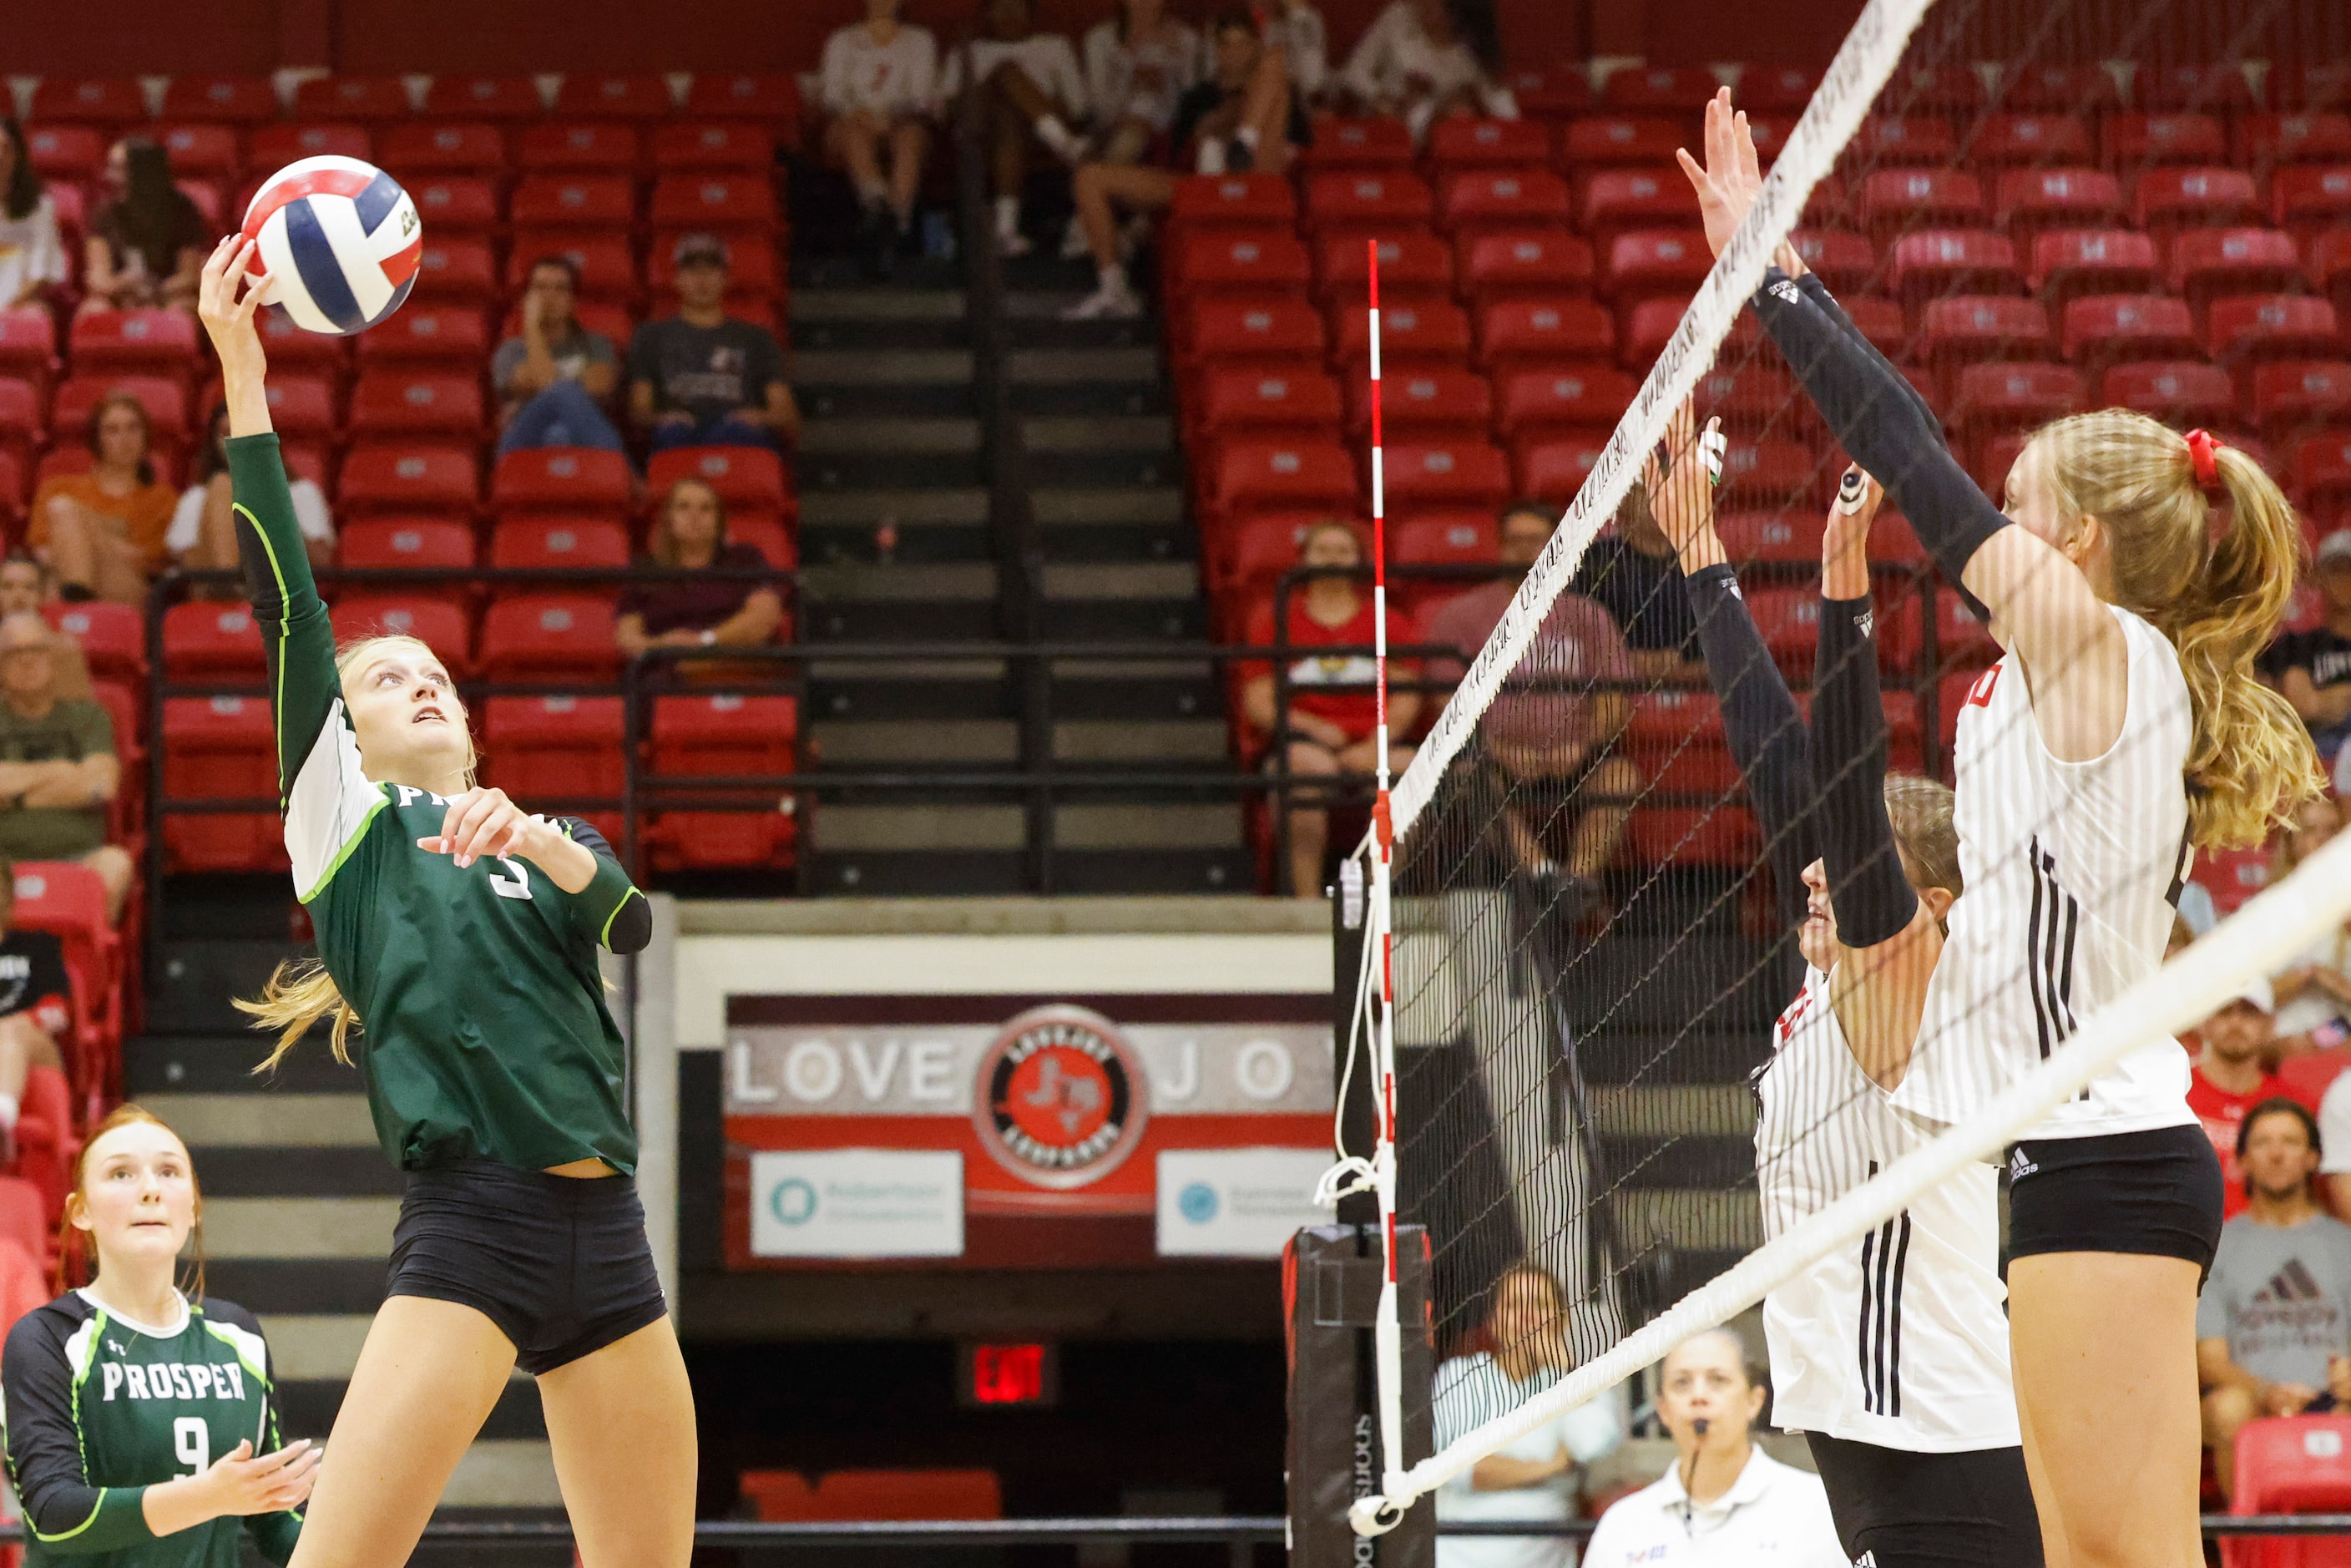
<point x="2247" y="946"/>
<point x="1862" y="65"/>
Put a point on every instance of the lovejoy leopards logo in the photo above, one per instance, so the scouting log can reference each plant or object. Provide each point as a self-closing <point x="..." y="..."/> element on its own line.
<point x="1061" y="1098"/>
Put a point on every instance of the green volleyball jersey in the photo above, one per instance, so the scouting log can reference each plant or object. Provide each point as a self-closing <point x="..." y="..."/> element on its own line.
<point x="484" y="1029"/>
<point x="98" y="1409"/>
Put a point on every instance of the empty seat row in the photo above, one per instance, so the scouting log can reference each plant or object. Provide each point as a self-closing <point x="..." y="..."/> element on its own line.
<point x="77" y="154"/>
<point x="117" y="101"/>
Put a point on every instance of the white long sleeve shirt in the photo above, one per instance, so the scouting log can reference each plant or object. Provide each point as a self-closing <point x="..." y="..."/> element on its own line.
<point x="1046" y="57"/>
<point x="1396" y="65"/>
<point x="1141" y="80"/>
<point x="1303" y="39"/>
<point x="895" y="80"/>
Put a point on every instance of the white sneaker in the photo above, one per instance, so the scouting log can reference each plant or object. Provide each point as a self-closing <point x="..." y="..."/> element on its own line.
<point x="1073" y="241"/>
<point x="1012" y="242"/>
<point x="1065" y="143"/>
<point x="1109" y="302"/>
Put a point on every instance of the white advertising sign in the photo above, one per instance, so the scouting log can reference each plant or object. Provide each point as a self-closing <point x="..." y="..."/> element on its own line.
<point x="1236" y="1203"/>
<point x="857" y="1203"/>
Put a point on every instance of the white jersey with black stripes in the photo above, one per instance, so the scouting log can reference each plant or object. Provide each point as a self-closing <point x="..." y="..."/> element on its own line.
<point x="2073" y="870"/>
<point x="1900" y="1340"/>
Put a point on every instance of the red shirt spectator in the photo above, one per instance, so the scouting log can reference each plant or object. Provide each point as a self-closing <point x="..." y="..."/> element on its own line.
<point x="2228" y="1081"/>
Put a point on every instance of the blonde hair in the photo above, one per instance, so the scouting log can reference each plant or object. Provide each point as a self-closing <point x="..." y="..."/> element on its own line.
<point x="2214" y="573"/>
<point x="301" y="991"/>
<point x="76" y="1262"/>
<point x="1924" y="835"/>
<point x="661" y="543"/>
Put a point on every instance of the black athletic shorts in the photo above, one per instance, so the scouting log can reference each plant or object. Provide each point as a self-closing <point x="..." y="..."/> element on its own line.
<point x="560" y="1264"/>
<point x="1901" y="1509"/>
<point x="2157" y="1192"/>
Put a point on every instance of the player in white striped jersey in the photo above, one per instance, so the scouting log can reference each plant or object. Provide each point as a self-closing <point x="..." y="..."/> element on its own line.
<point x="2132" y="580"/>
<point x="1890" y="1354"/>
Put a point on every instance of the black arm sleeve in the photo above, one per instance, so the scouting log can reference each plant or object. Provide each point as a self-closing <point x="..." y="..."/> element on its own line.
<point x="1878" y="417"/>
<point x="611" y="909"/>
<point x="1872" y="897"/>
<point x="63" y="1511"/>
<point x="1765" y="729"/>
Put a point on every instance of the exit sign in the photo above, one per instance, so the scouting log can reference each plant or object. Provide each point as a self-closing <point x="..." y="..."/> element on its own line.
<point x="996" y="1375"/>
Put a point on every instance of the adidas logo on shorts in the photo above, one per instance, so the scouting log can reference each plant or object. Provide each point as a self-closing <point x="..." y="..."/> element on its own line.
<point x="1866" y="1560"/>
<point x="2019" y="1168"/>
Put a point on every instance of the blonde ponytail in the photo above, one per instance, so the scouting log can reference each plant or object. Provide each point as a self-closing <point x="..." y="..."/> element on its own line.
<point x="299" y="995"/>
<point x="2217" y="586"/>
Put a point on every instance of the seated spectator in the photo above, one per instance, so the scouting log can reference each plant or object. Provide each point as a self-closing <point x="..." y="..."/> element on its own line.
<point x="1724" y="1500"/>
<point x="2313" y="668"/>
<point x="2273" y="1322"/>
<point x="1329" y="728"/>
<point x="1428" y="60"/>
<point x="702" y="378"/>
<point x="36" y="1007"/>
<point x="1536" y="1477"/>
<point x="1029" y="88"/>
<point x="553" y="379"/>
<point x="147" y="242"/>
<point x="103" y="530"/>
<point x="58" y="766"/>
<point x="689" y="534"/>
<point x="1632" y="571"/>
<point x="878" y="82"/>
<point x="203" y="535"/>
<point x="1295" y="29"/>
<point x="27" y="584"/>
<point x="1565" y="794"/>
<point x="1139" y="64"/>
<point x="2229" y="1078"/>
<point x="1246" y="115"/>
<point x="2313" y="988"/>
<point x="32" y="256"/>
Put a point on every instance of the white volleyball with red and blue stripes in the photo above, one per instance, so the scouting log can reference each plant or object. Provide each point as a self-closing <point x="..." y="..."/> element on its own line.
<point x="339" y="243"/>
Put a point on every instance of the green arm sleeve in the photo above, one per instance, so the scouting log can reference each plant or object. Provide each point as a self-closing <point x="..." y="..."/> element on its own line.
<point x="608" y="911"/>
<point x="275" y="1534"/>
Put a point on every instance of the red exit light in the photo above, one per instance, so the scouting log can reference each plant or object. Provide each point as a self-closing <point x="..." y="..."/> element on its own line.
<point x="1011" y="1375"/>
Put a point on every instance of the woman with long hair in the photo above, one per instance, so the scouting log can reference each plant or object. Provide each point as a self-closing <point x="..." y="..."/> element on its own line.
<point x="141" y="1415"/>
<point x="32" y="256"/>
<point x="203" y="535"/>
<point x="103" y="529"/>
<point x="689" y="534"/>
<point x="459" y="939"/>
<point x="147" y="242"/>
<point x="1428" y="60"/>
<point x="2132" y="581"/>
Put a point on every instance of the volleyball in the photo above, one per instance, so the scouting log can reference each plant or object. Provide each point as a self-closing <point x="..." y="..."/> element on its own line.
<point x="340" y="242"/>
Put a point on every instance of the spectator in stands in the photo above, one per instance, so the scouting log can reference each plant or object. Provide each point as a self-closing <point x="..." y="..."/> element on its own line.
<point x="32" y="256"/>
<point x="203" y="535"/>
<point x="1429" y="60"/>
<point x="878" y="85"/>
<point x="1328" y="728"/>
<point x="103" y="530"/>
<point x="36" y="1005"/>
<point x="1632" y="571"/>
<point x="147" y="243"/>
<point x="1246" y="115"/>
<point x="1139" y="64"/>
<point x="2230" y="1079"/>
<point x="1725" y="1501"/>
<point x="1536" y="1477"/>
<point x="2313" y="668"/>
<point x="58" y="766"/>
<point x="1029" y="88"/>
<point x="27" y="584"/>
<point x="689" y="534"/>
<point x="553" y="379"/>
<point x="1295" y="29"/>
<point x="2273" y="1321"/>
<point x="702" y="378"/>
<point x="2314" y="988"/>
<point x="1565" y="793"/>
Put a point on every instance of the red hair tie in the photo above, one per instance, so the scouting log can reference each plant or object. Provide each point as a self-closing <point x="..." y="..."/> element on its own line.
<point x="2203" y="456"/>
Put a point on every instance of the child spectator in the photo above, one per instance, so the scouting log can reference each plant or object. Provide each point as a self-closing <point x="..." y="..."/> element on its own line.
<point x="27" y="584"/>
<point x="2229" y="1080"/>
<point x="1632" y="571"/>
<point x="36" y="1007"/>
<point x="552" y="380"/>
<point x="32" y="256"/>
<point x="203" y="535"/>
<point x="880" y="80"/>
<point x="2313" y="668"/>
<point x="103" y="530"/>
<point x="702" y="378"/>
<point x="1246" y="115"/>
<point x="689" y="533"/>
<point x="58" y="766"/>
<point x="2273" y="1321"/>
<point x="1328" y="728"/>
<point x="147" y="243"/>
<point x="1029" y="88"/>
<point x="1428" y="60"/>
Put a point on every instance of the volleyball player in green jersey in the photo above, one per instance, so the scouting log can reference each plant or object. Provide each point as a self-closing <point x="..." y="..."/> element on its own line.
<point x="459" y="939"/>
<point x="142" y="1423"/>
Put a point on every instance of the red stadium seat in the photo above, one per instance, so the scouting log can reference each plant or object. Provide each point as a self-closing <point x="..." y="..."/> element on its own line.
<point x="464" y="148"/>
<point x="1550" y="401"/>
<point x="550" y="637"/>
<point x="751" y="275"/>
<point x="1244" y="565"/>
<point x="2208" y="263"/>
<point x="222" y="748"/>
<point x="2058" y="89"/>
<point x="1441" y="403"/>
<point x="390" y="543"/>
<point x="1992" y="399"/>
<point x="1658" y="90"/>
<point x="2307" y="1075"/>
<point x="1768" y="473"/>
<point x="1619" y="141"/>
<point x="409" y="479"/>
<point x="2322" y="469"/>
<point x="271" y="147"/>
<point x="2331" y="266"/>
<point x="1239" y="399"/>
<point x="1756" y="393"/>
<point x="201" y="152"/>
<point x="1376" y="142"/>
<point x="1645" y="263"/>
<point x="1552" y="470"/>
<point x="293" y="350"/>
<point x="721" y="737"/>
<point x="558" y="543"/>
<point x="1424" y="474"/>
<point x="2112" y="329"/>
<point x="1523" y="334"/>
<point x="1847" y="262"/>
<point x="1441" y="539"/>
<point x="1616" y="200"/>
<point x="21" y="427"/>
<point x="1953" y="90"/>
<point x="484" y="98"/>
<point x="451" y="337"/>
<point x="1781" y="89"/>
<point x="112" y="637"/>
<point x="2132" y="141"/>
<point x="1480" y="201"/>
<point x="164" y="399"/>
<point x="73" y="154"/>
<point x="2291" y="1464"/>
<point x="2176" y="391"/>
<point x="211" y="643"/>
<point x="2166" y="200"/>
<point x="2245" y="327"/>
<point x="2029" y="202"/>
<point x="1283" y="475"/>
<point x="367" y="100"/>
<point x="436" y="622"/>
<point x="1412" y="264"/>
<point x="2264" y="139"/>
<point x="556" y="747"/>
<point x="575" y="148"/>
<point x="301" y="406"/>
<point x="2213" y="88"/>
<point x="747" y="478"/>
<point x="457" y="272"/>
<point x="28" y="344"/>
<point x="1415" y="332"/>
<point x="1893" y="200"/>
<point x="2311" y="85"/>
<point x="715" y="144"/>
<point x="586" y="96"/>
<point x="134" y="343"/>
<point x="1467" y="144"/>
<point x="1367" y="200"/>
<point x="2071" y="263"/>
<point x="1554" y="92"/>
<point x="87" y="101"/>
<point x="456" y="205"/>
<point x="1248" y="330"/>
<point x="2308" y="200"/>
<point x="565" y="480"/>
<point x="1936" y="263"/>
<point x="607" y="267"/>
<point x="2297" y="396"/>
<point x="1886" y="141"/>
<point x="1649" y="327"/>
<point x="1787" y="535"/>
<point x="722" y="204"/>
<point x="1952" y="332"/>
<point x="2020" y="138"/>
<point x="590" y="203"/>
<point x="773" y="97"/>
<point x="1252" y="201"/>
<point x="1237" y="261"/>
<point x="1521" y="263"/>
<point x="397" y="399"/>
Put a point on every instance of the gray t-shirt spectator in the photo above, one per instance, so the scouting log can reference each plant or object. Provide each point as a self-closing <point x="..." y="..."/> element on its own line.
<point x="2281" y="1296"/>
<point x="705" y="371"/>
<point x="572" y="356"/>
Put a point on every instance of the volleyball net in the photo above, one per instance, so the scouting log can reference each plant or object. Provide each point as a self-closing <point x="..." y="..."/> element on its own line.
<point x="1581" y="925"/>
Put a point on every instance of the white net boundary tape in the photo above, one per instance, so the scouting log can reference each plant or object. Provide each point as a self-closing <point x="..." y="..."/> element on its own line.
<point x="1863" y="63"/>
<point x="2247" y="946"/>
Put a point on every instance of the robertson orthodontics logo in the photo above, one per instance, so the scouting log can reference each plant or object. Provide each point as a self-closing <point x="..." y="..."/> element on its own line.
<point x="1062" y="1100"/>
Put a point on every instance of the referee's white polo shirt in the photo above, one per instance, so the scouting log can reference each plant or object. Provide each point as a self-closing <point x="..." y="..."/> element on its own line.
<point x="1774" y="1516"/>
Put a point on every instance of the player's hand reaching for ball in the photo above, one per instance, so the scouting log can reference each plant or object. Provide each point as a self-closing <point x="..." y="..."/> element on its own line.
<point x="226" y="299"/>
<point x="482" y="822"/>
<point x="1728" y="181"/>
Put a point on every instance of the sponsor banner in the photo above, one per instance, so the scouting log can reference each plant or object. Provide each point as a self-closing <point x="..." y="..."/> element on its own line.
<point x="856" y="1203"/>
<point x="1236" y="1203"/>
